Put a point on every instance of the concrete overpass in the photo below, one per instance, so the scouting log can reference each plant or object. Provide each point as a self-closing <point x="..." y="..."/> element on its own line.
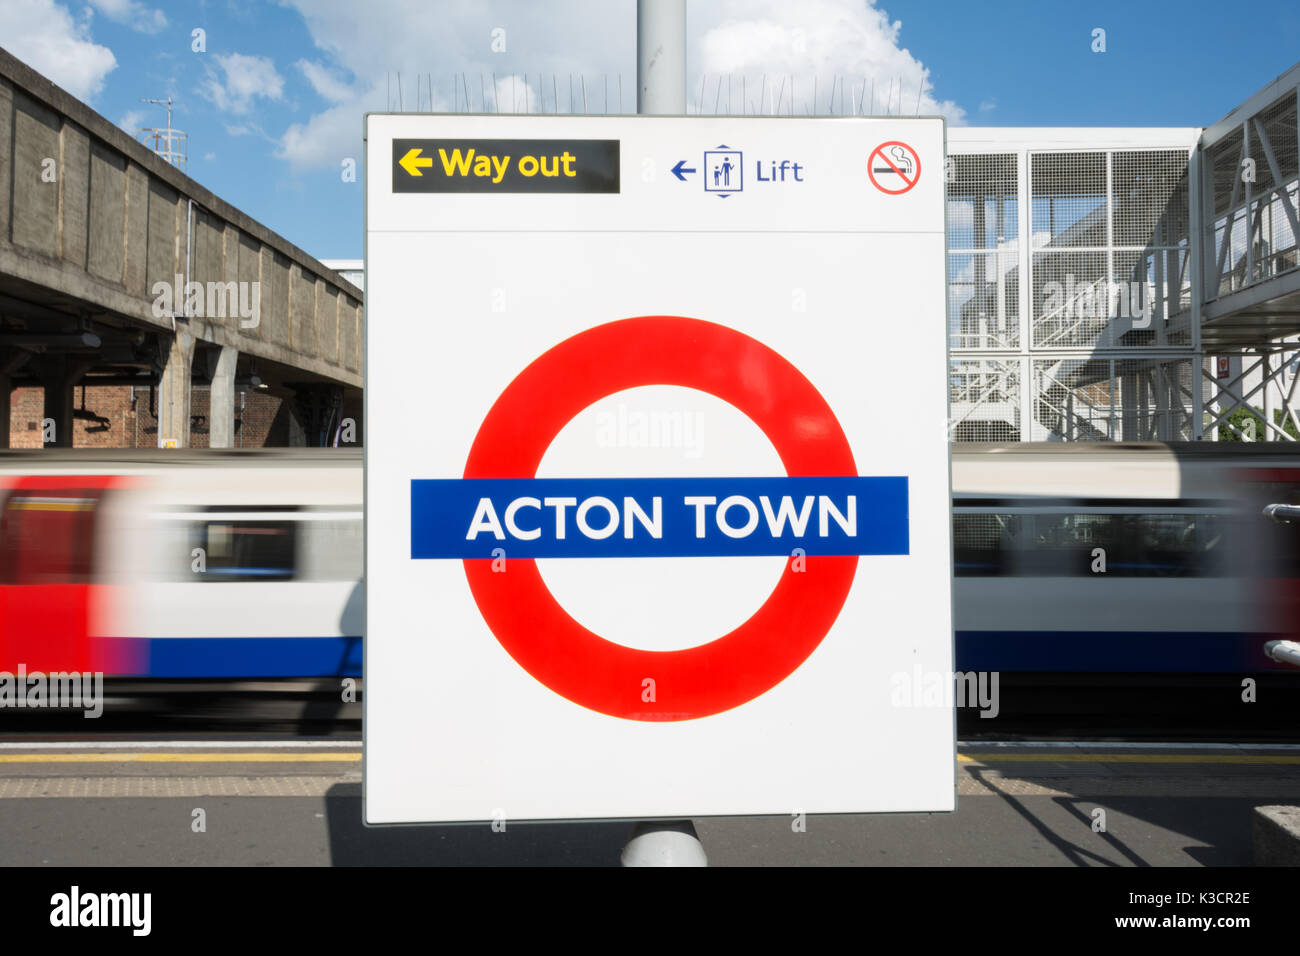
<point x="118" y="269"/>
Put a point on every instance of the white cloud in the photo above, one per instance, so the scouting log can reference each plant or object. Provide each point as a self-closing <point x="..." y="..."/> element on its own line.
<point x="335" y="134"/>
<point x="132" y="14"/>
<point x="442" y="48"/>
<point x="987" y="106"/>
<point x="132" y="120"/>
<point x="326" y="139"/>
<point x="771" y="47"/>
<point x="243" y="79"/>
<point x="326" y="82"/>
<point x="44" y="35"/>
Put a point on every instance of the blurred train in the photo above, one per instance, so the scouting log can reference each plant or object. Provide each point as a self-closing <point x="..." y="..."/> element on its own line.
<point x="1114" y="557"/>
<point x="181" y="564"/>
<point x="1083" y="558"/>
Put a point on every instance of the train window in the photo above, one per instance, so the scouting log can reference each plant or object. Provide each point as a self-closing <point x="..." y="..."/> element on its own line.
<point x="1176" y="545"/>
<point x="47" y="536"/>
<point x="243" y="546"/>
<point x="1063" y="544"/>
<point x="984" y="544"/>
<point x="1131" y="545"/>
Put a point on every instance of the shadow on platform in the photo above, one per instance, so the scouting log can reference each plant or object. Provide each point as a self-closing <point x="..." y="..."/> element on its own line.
<point x="520" y="844"/>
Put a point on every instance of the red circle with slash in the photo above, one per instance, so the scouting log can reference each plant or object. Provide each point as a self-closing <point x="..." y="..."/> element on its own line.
<point x="891" y="165"/>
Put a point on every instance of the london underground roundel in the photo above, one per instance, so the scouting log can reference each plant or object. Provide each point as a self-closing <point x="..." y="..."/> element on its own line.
<point x="821" y="515"/>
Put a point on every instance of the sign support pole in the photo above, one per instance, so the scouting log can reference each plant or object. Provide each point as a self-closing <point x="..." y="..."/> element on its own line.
<point x="661" y="90"/>
<point x="661" y="57"/>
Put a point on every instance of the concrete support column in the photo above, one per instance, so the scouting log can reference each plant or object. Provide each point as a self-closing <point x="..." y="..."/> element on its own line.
<point x="11" y="360"/>
<point x="221" y="410"/>
<point x="174" y="390"/>
<point x="58" y="406"/>
<point x="59" y="375"/>
<point x="297" y="434"/>
<point x="352" y="432"/>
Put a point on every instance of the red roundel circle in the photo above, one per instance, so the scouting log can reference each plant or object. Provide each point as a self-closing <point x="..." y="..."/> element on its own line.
<point x="531" y="624"/>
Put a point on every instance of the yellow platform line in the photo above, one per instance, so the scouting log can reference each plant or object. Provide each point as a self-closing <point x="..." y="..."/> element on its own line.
<point x="1257" y="759"/>
<point x="257" y="757"/>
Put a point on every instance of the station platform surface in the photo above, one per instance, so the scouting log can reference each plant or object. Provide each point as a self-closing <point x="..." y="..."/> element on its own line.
<point x="298" y="802"/>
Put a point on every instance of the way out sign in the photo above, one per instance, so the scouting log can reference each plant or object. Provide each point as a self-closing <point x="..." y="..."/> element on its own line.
<point x="651" y="528"/>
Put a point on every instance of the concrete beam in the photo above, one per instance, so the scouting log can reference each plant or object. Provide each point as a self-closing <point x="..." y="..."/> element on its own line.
<point x="6" y="150"/>
<point x="221" y="403"/>
<point x="16" y="74"/>
<point x="92" y="222"/>
<point x="174" y="390"/>
<point x="38" y="271"/>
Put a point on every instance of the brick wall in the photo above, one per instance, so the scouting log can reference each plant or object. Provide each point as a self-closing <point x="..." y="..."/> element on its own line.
<point x="261" y="420"/>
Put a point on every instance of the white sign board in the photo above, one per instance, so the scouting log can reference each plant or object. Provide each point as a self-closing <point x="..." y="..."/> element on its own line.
<point x="656" y="468"/>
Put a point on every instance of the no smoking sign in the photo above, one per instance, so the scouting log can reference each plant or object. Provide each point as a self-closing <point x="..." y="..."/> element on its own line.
<point x="894" y="168"/>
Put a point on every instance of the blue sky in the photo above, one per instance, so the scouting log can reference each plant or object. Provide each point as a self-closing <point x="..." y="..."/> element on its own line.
<point x="273" y="103"/>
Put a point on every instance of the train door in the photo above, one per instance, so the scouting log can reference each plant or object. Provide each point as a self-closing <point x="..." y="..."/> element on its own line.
<point x="49" y="603"/>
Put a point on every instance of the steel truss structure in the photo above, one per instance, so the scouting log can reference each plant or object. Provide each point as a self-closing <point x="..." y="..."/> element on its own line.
<point x="1127" y="284"/>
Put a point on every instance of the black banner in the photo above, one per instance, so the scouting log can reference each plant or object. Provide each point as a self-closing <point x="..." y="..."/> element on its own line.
<point x="505" y="166"/>
<point x="924" y="906"/>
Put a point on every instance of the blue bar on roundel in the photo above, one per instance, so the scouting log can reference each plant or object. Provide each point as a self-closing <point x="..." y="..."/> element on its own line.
<point x="657" y="517"/>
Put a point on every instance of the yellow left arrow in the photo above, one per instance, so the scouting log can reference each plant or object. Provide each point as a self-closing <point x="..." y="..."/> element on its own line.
<point x="412" y="161"/>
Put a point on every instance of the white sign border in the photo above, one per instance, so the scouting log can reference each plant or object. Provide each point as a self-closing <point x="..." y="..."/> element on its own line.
<point x="365" y="453"/>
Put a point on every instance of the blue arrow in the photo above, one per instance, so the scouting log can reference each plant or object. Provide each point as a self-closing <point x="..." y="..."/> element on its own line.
<point x="681" y="168"/>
